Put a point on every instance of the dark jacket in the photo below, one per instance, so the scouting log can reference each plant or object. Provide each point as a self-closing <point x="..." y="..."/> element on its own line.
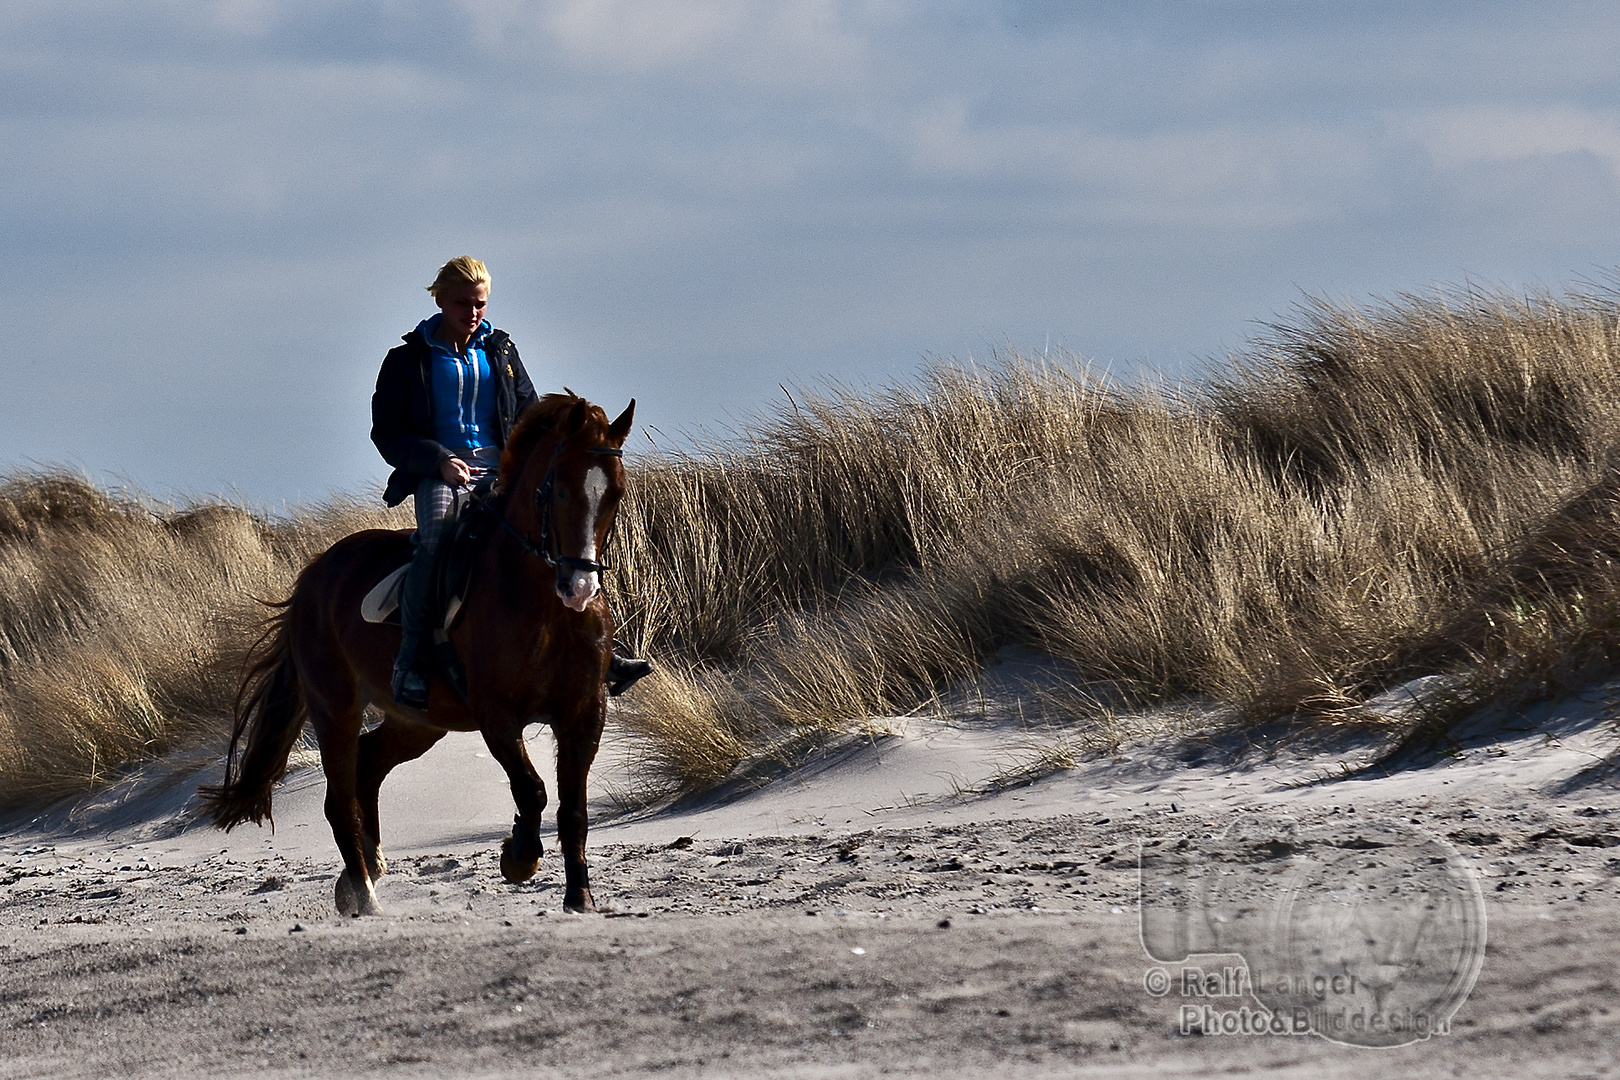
<point x="402" y="408"/>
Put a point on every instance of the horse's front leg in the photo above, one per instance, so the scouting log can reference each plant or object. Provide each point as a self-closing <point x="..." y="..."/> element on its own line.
<point x="520" y="854"/>
<point x="576" y="749"/>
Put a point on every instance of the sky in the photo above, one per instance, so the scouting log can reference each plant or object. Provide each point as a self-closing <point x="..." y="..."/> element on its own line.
<point x="216" y="216"/>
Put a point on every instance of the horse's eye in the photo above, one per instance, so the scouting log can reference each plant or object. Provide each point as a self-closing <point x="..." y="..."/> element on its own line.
<point x="562" y="496"/>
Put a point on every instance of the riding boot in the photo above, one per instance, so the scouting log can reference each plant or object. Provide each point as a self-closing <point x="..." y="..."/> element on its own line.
<point x="410" y="685"/>
<point x="625" y="669"/>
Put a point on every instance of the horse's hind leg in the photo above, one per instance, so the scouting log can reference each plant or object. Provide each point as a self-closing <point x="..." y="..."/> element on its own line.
<point x="520" y="854"/>
<point x="393" y="742"/>
<point x="338" y="732"/>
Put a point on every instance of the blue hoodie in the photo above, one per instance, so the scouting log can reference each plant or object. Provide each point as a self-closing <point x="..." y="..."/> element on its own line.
<point x="463" y="392"/>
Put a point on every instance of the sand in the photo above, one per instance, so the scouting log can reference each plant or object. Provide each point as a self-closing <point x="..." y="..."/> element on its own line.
<point x="926" y="903"/>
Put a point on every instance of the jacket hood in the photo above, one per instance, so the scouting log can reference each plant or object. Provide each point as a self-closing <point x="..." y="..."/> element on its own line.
<point x="430" y="325"/>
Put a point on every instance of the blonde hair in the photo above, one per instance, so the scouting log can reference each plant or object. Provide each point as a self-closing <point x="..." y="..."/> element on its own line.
<point x="461" y="270"/>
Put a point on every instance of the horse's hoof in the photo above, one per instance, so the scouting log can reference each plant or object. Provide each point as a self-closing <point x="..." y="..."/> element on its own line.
<point x="579" y="903"/>
<point x="343" y="895"/>
<point x="514" y="869"/>
<point x="355" y="900"/>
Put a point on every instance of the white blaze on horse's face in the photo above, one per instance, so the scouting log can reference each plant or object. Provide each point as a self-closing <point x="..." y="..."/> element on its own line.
<point x="578" y="589"/>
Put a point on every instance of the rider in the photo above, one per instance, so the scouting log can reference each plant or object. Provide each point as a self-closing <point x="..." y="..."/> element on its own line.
<point x="446" y="401"/>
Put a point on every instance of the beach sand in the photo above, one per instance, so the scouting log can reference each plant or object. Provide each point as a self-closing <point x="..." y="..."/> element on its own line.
<point x="922" y="903"/>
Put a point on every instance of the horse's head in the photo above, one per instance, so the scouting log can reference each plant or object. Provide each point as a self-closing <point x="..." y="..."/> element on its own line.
<point x="569" y="457"/>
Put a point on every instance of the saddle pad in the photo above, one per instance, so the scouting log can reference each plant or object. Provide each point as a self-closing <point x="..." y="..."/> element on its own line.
<point x="383" y="600"/>
<point x="452" y="571"/>
<point x="452" y="576"/>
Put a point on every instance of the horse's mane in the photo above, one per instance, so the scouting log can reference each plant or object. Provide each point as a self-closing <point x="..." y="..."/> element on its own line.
<point x="538" y="421"/>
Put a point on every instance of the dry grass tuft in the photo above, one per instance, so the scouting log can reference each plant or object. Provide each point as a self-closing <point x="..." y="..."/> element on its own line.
<point x="123" y="622"/>
<point x="1359" y="498"/>
<point x="1032" y="762"/>
<point x="695" y="730"/>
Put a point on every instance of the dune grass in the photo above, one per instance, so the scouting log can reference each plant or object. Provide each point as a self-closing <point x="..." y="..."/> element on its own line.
<point x="1357" y="498"/>
<point x="123" y="622"/>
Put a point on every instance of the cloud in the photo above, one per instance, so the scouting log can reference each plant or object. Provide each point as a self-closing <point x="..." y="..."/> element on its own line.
<point x="1461" y="137"/>
<point x="247" y="18"/>
<point x="186" y="154"/>
<point x="641" y="35"/>
<point x="1223" y="174"/>
<point x="756" y="42"/>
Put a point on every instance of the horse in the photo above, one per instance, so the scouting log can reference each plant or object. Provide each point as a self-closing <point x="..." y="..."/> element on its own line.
<point x="534" y="632"/>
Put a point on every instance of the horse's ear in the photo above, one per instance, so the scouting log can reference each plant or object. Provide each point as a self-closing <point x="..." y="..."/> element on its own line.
<point x="620" y="430"/>
<point x="576" y="416"/>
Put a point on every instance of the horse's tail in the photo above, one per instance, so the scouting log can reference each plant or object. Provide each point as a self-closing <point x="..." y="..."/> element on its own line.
<point x="269" y="717"/>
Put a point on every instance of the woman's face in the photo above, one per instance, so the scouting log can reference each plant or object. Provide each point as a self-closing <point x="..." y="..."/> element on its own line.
<point x="463" y="307"/>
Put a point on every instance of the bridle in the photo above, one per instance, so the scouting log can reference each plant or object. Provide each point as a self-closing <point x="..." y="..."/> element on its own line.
<point x="544" y="503"/>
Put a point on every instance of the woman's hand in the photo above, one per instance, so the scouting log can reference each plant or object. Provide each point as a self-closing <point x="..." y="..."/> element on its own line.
<point x="454" y="472"/>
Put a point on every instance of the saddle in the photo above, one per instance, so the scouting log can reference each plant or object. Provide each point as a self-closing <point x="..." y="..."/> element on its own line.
<point x="452" y="578"/>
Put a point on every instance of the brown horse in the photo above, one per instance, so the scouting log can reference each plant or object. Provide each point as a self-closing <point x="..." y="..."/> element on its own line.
<point x="534" y="634"/>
